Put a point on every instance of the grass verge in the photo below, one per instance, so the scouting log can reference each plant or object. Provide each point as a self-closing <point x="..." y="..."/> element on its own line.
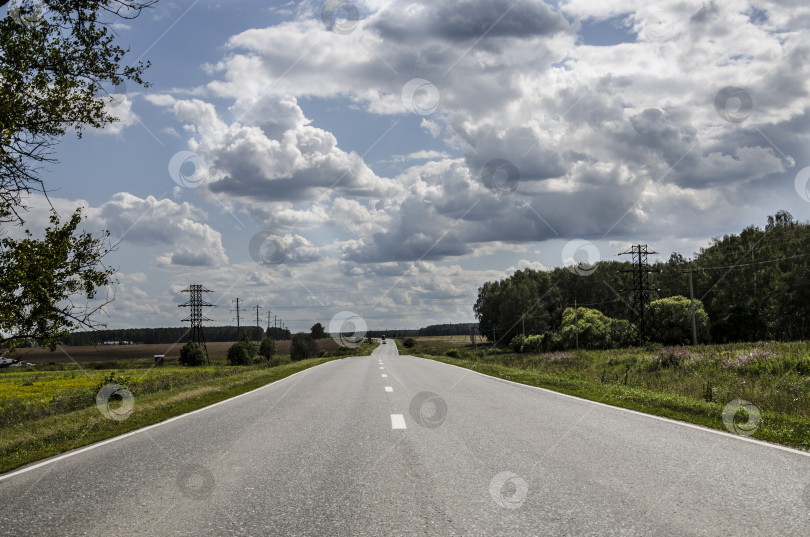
<point x="28" y="440"/>
<point x="697" y="390"/>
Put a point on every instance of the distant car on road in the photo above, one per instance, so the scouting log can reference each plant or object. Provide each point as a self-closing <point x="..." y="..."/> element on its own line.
<point x="383" y="339"/>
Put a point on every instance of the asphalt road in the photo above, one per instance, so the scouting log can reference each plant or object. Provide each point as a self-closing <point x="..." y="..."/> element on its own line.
<point x="323" y="453"/>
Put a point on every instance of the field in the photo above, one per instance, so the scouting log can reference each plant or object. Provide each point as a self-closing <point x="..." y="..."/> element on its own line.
<point x="109" y="353"/>
<point x="93" y="393"/>
<point x="695" y="384"/>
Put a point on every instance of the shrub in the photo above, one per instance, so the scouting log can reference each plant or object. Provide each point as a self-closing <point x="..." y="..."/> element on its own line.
<point x="409" y="343"/>
<point x="302" y="346"/>
<point x="670" y="320"/>
<point x="516" y="345"/>
<point x="267" y="348"/>
<point x="238" y="354"/>
<point x="192" y="354"/>
<point x="452" y="353"/>
<point x="532" y="343"/>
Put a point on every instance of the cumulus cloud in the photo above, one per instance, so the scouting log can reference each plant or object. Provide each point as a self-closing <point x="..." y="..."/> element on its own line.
<point x="151" y="222"/>
<point x="602" y="139"/>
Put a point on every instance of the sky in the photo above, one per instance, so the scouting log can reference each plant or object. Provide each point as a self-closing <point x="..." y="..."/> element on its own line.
<point x="387" y="158"/>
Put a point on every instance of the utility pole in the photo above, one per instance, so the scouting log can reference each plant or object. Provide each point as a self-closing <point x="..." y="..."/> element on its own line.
<point x="258" y="328"/>
<point x="641" y="286"/>
<point x="692" y="301"/>
<point x="238" y="325"/>
<point x="196" y="317"/>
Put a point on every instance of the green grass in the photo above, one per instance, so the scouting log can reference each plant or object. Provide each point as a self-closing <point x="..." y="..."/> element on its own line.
<point x="46" y="410"/>
<point x="688" y="384"/>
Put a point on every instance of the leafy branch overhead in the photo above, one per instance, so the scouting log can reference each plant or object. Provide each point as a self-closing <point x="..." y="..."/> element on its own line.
<point x="56" y="59"/>
<point x="39" y="278"/>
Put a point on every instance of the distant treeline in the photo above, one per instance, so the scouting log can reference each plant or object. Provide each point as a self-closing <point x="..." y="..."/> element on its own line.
<point x="457" y="329"/>
<point x="754" y="286"/>
<point x="170" y="335"/>
<point x="228" y="333"/>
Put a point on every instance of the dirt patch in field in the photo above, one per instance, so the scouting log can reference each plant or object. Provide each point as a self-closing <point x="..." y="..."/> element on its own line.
<point x="104" y="353"/>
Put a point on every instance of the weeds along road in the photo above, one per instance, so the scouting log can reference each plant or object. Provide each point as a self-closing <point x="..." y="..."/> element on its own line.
<point x="396" y="445"/>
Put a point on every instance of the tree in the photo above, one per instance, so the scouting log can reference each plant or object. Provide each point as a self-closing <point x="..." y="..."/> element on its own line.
<point x="670" y="320"/>
<point x="267" y="349"/>
<point x="192" y="354"/>
<point x="243" y="351"/>
<point x="317" y="331"/>
<point x="238" y="355"/>
<point x="55" y="58"/>
<point x="302" y="346"/>
<point x="39" y="277"/>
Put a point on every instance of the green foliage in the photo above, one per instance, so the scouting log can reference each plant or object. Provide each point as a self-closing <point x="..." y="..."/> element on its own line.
<point x="753" y="287"/>
<point x="670" y="321"/>
<point x="535" y="343"/>
<point x="243" y="351"/>
<point x="516" y="345"/>
<point x="452" y="353"/>
<point x="317" y="331"/>
<point x="52" y="72"/>
<point x="409" y="343"/>
<point x="267" y="351"/>
<point x="238" y="354"/>
<point x="596" y="330"/>
<point x="302" y="346"/>
<point x="192" y="354"/>
<point x="39" y="279"/>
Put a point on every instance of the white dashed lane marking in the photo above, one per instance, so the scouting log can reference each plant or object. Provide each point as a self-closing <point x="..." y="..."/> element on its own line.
<point x="384" y="376"/>
<point x="389" y="389"/>
<point x="398" y="421"/>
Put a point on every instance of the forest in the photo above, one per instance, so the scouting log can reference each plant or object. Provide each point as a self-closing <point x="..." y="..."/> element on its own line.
<point x="753" y="286"/>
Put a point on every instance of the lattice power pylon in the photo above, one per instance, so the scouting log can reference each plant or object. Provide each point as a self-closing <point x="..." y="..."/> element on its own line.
<point x="641" y="287"/>
<point x="196" y="317"/>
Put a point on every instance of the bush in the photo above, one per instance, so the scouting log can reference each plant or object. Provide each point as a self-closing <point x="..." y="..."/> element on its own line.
<point x="516" y="345"/>
<point x="267" y="349"/>
<point x="533" y="343"/>
<point x="670" y="321"/>
<point x="452" y="353"/>
<point x="302" y="346"/>
<point x="192" y="354"/>
<point x="238" y="354"/>
<point x="409" y="343"/>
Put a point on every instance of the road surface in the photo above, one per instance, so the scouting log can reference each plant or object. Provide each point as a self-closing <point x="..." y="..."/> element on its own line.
<point x="395" y="445"/>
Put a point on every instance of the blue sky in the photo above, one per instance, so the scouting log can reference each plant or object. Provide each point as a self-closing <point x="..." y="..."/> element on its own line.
<point x="362" y="149"/>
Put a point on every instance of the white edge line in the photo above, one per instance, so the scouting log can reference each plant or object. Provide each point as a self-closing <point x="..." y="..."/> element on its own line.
<point x="78" y="451"/>
<point x="636" y="412"/>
